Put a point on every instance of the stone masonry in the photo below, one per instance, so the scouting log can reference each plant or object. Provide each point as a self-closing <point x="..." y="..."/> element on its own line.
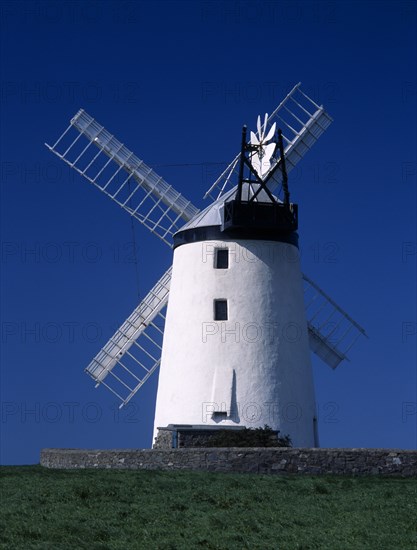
<point x="272" y="460"/>
<point x="177" y="437"/>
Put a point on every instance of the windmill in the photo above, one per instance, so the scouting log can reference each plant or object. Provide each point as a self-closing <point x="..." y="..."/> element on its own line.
<point x="234" y="344"/>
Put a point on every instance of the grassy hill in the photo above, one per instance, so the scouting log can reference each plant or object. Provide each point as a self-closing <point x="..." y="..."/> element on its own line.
<point x="121" y="510"/>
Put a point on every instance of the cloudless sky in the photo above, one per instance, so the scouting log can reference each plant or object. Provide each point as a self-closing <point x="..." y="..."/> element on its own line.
<point x="175" y="81"/>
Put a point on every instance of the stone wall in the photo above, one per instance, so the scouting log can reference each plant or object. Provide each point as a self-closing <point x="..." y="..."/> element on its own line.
<point x="175" y="437"/>
<point x="163" y="439"/>
<point x="258" y="460"/>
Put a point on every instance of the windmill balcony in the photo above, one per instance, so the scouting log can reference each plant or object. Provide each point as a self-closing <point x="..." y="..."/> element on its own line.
<point x="275" y="217"/>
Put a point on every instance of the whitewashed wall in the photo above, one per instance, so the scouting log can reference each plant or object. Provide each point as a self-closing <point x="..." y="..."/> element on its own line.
<point x="256" y="365"/>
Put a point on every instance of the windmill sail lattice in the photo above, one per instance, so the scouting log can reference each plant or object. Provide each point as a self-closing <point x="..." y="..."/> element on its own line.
<point x="332" y="332"/>
<point x="134" y="351"/>
<point x="131" y="362"/>
<point x="302" y="122"/>
<point x="122" y="176"/>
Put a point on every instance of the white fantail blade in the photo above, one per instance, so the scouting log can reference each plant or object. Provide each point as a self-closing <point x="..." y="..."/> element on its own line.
<point x="269" y="150"/>
<point x="261" y="158"/>
<point x="258" y="125"/>
<point x="271" y="132"/>
<point x="253" y="139"/>
<point x="265" y="123"/>
<point x="266" y="159"/>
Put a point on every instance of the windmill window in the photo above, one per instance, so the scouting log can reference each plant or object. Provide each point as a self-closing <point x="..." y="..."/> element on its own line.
<point x="220" y="310"/>
<point x="221" y="260"/>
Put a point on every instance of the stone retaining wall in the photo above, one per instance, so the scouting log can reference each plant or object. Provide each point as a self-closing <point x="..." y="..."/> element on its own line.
<point x="174" y="437"/>
<point x="254" y="460"/>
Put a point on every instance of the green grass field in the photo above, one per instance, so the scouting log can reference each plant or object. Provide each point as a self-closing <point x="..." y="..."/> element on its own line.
<point x="122" y="510"/>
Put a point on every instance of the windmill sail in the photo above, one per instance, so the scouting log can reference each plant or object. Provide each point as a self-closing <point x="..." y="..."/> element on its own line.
<point x="332" y="332"/>
<point x="302" y="122"/>
<point x="98" y="156"/>
<point x="128" y="362"/>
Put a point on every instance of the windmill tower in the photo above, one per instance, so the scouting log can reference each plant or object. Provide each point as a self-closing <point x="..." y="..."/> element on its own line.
<point x="234" y="344"/>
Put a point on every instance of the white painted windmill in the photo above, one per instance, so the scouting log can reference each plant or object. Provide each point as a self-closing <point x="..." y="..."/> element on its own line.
<point x="234" y="344"/>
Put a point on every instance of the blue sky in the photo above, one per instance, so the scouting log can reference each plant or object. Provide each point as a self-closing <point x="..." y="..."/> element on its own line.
<point x="175" y="81"/>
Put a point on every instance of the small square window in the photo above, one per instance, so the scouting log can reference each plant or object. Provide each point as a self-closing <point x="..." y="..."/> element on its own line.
<point x="220" y="310"/>
<point x="221" y="260"/>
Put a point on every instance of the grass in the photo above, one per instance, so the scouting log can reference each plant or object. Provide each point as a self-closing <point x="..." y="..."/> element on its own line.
<point x="122" y="510"/>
